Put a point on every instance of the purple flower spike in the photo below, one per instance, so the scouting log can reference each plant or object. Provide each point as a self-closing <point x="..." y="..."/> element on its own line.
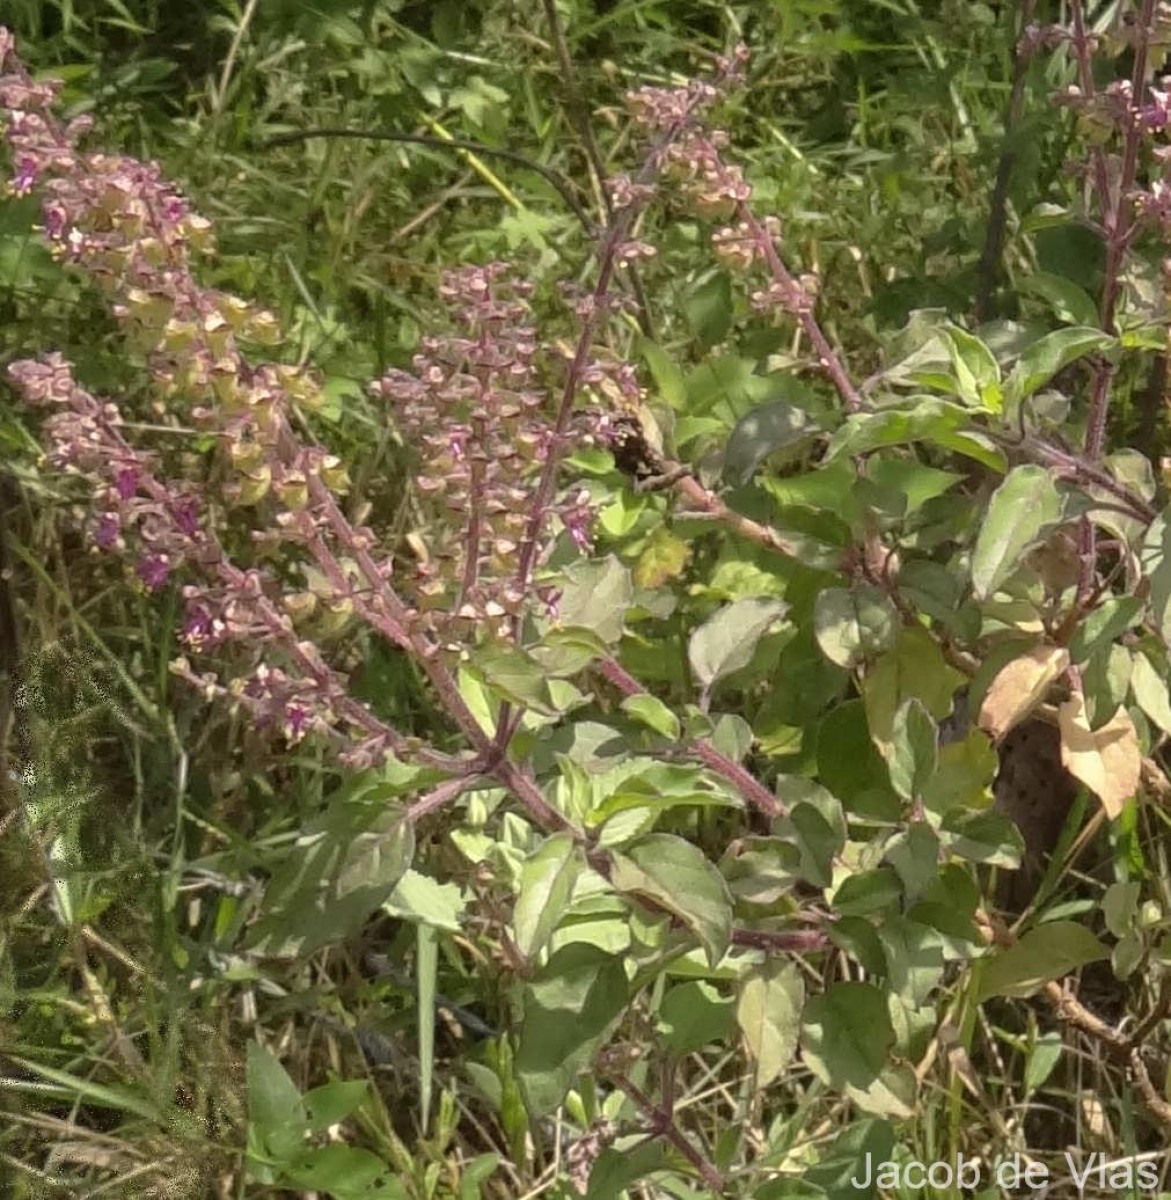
<point x="154" y="570"/>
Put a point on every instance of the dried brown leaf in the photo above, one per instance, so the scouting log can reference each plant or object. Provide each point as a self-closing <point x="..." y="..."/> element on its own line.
<point x="1106" y="760"/>
<point x="1019" y="687"/>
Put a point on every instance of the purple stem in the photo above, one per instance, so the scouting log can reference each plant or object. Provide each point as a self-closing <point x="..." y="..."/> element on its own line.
<point x="743" y="781"/>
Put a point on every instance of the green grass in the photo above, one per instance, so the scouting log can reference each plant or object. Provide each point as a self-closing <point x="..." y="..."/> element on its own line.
<point x="133" y="851"/>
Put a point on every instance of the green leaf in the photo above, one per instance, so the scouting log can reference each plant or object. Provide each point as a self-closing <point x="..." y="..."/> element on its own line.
<point x="914" y="668"/>
<point x="1156" y="566"/>
<point x="913" y="481"/>
<point x="726" y="641"/>
<point x="377" y="858"/>
<point x="617" y="1170"/>
<point x="762" y="870"/>
<point x="1151" y="692"/>
<point x="914" y="854"/>
<point x="345" y="1173"/>
<point x="662" y="786"/>
<point x="1110" y="620"/>
<point x="727" y="383"/>
<point x="768" y="1012"/>
<point x="419" y="898"/>
<point x="1068" y="302"/>
<point x="563" y="653"/>
<point x="709" y="308"/>
<point x="1048" y="355"/>
<point x="665" y="372"/>
<point x="1045" y="1055"/>
<point x="839" y="1162"/>
<point x="847" y="762"/>
<point x="595" y="596"/>
<point x="1106" y="683"/>
<point x="652" y="712"/>
<point x="570" y="1008"/>
<point x="867" y="892"/>
<point x="1127" y="955"/>
<point x="847" y="1035"/>
<point x="1022" y="508"/>
<point x="335" y="876"/>
<point x="1133" y="469"/>
<point x="514" y="675"/>
<point x="675" y="875"/>
<point x="986" y="836"/>
<point x="331" y="1103"/>
<point x="275" y="1107"/>
<point x="964" y="772"/>
<point x="857" y="936"/>
<point x="546" y="884"/>
<point x="693" y="1015"/>
<point x="732" y="736"/>
<point x="939" y="593"/>
<point x="914" y="750"/>
<point x="948" y="906"/>
<point x="1046" y="952"/>
<point x="928" y="418"/>
<point x="914" y="956"/>
<point x="975" y="445"/>
<point x="854" y="624"/>
<point x="1119" y="905"/>
<point x="474" y="1175"/>
<point x="976" y="368"/>
<point x="761" y="432"/>
<point x="622" y="514"/>
<point x="892" y="1094"/>
<point x="818" y="838"/>
<point x="829" y="487"/>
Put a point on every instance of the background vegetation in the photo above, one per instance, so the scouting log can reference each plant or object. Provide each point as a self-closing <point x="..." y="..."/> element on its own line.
<point x="187" y="1009"/>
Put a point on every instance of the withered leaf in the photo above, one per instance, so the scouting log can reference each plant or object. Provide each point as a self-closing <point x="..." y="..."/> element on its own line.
<point x="1019" y="687"/>
<point x="1106" y="760"/>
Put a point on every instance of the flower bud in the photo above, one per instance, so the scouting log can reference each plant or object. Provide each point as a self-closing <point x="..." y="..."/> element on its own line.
<point x="293" y="491"/>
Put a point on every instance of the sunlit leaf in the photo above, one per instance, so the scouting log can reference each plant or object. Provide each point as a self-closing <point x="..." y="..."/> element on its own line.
<point x="726" y="641"/>
<point x="1019" y="687"/>
<point x="1022" y="508"/>
<point x="1106" y="760"/>
<point x="1047" y="952"/>
<point x="768" y="1012"/>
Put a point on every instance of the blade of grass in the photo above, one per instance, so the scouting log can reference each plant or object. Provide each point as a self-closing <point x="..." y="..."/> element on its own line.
<point x="480" y="167"/>
<point x="140" y="697"/>
<point x="427" y="963"/>
<point x="105" y="1096"/>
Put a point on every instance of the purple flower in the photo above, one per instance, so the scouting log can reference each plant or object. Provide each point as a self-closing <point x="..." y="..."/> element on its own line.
<point x="296" y="721"/>
<point x="126" y="483"/>
<point x="154" y="570"/>
<point x="108" y="528"/>
<point x="186" y="513"/>
<point x="578" y="519"/>
<point x="26" y="175"/>
<point x="201" y="629"/>
<point x="55" y="220"/>
<point x="550" y="599"/>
